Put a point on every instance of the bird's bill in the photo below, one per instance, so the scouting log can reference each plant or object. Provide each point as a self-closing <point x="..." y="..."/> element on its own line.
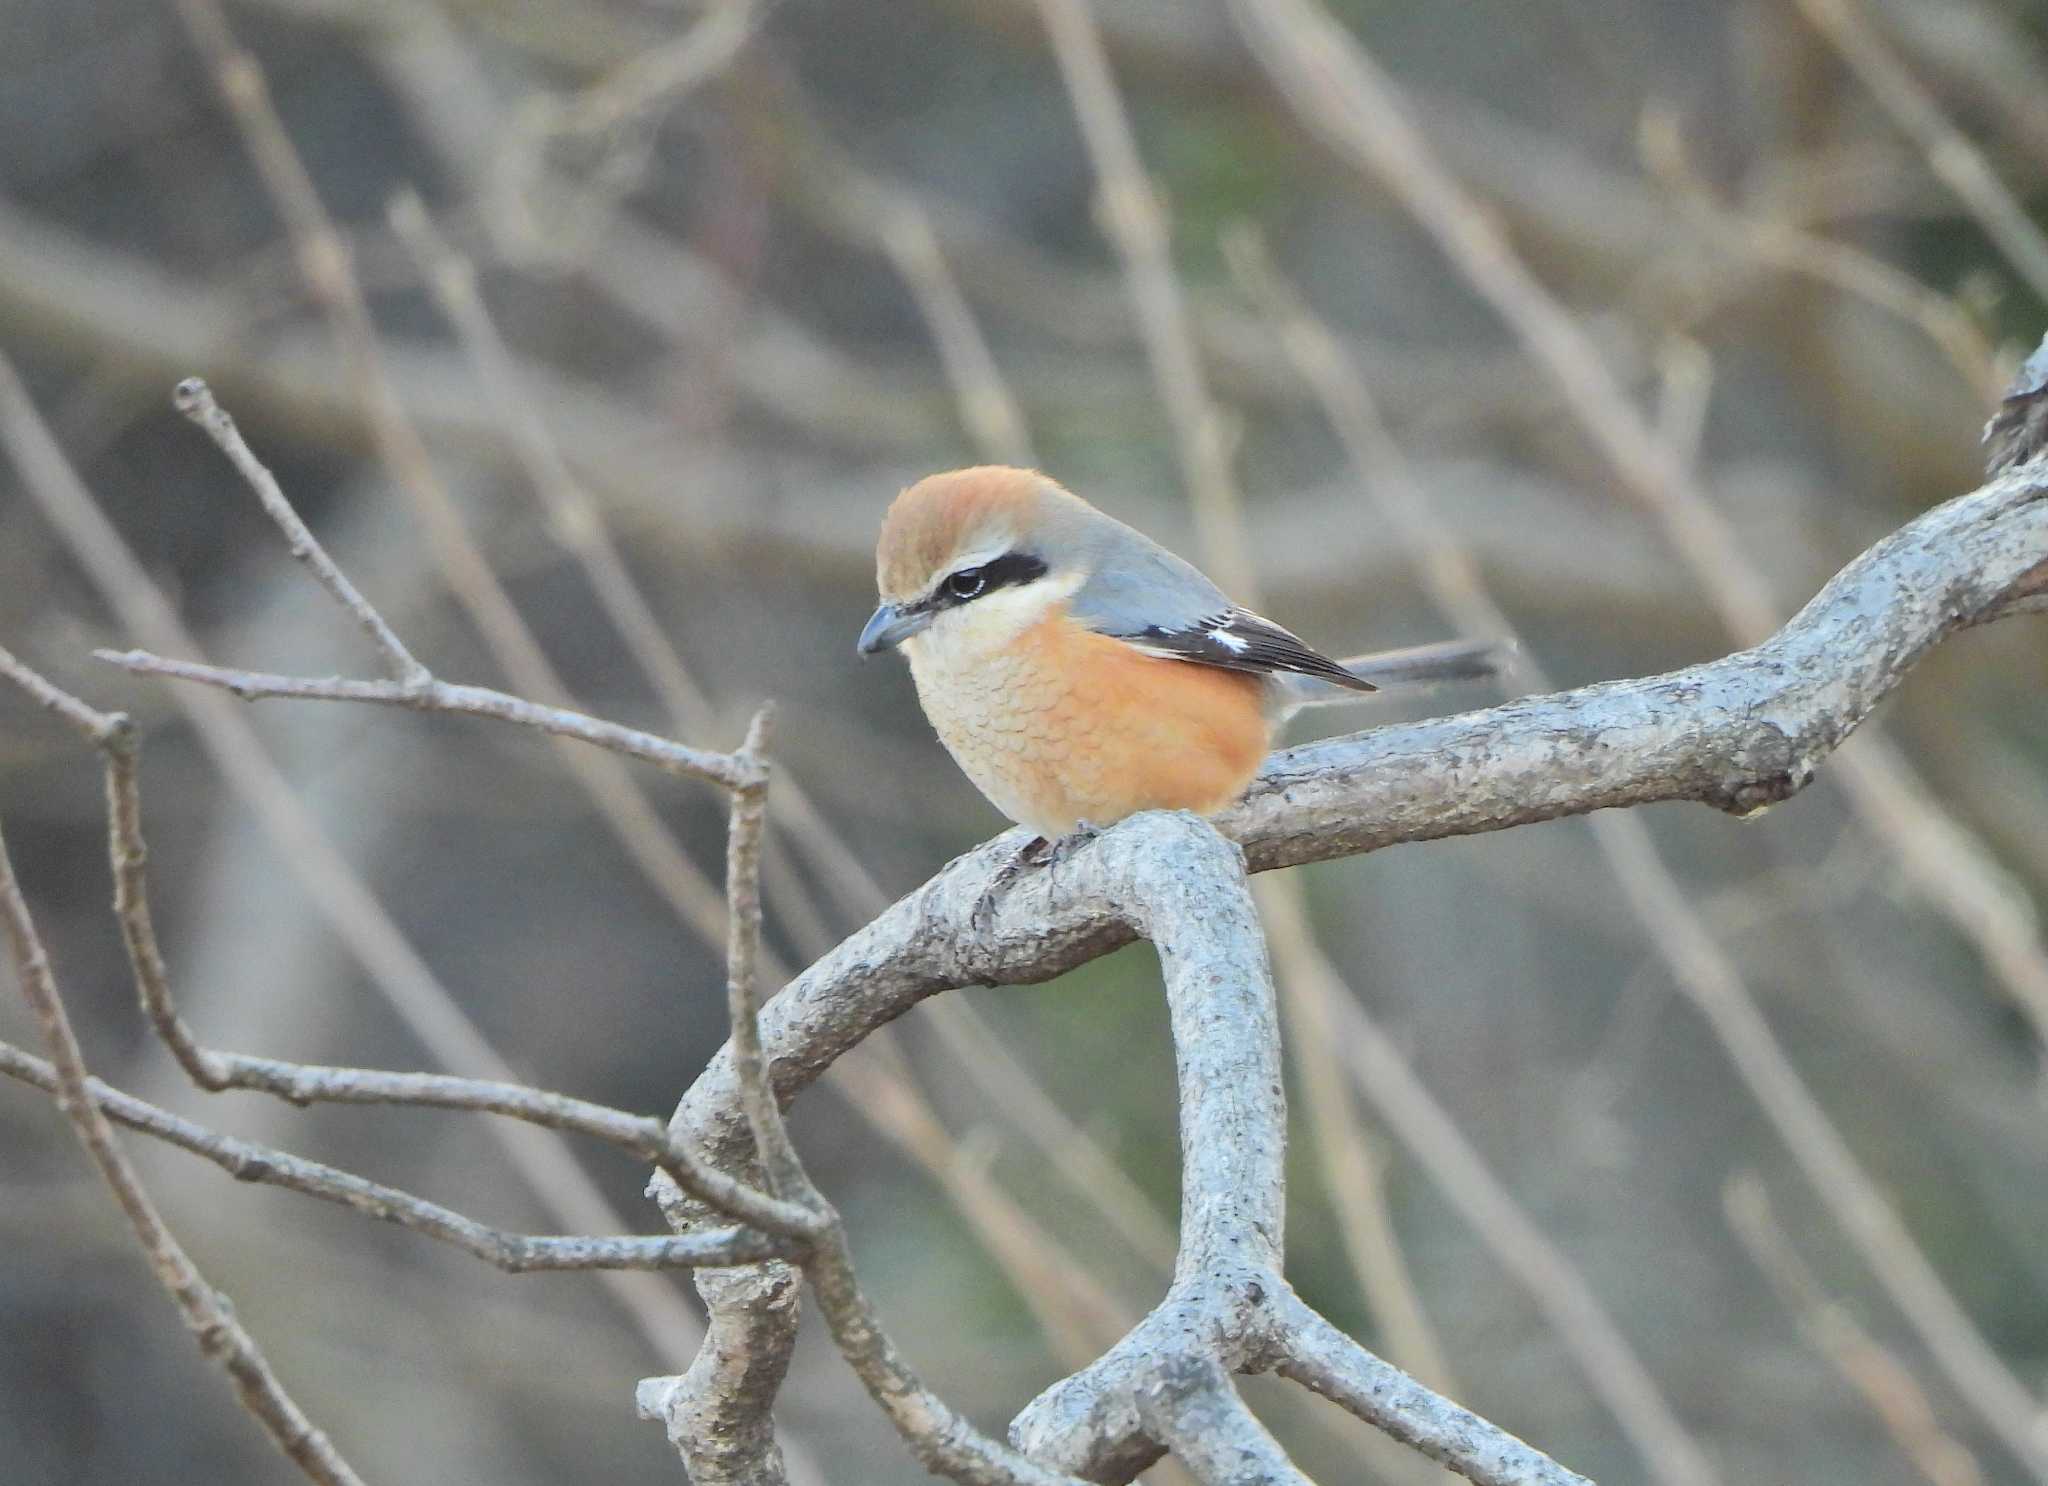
<point x="890" y="626"/>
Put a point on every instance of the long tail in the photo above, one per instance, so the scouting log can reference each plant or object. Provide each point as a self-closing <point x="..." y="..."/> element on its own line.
<point x="1417" y="665"/>
<point x="1445" y="660"/>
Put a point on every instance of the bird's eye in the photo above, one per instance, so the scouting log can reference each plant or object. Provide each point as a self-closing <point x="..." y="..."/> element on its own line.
<point x="966" y="583"/>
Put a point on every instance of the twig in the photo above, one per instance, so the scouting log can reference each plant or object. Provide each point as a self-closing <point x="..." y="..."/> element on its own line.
<point x="98" y="728"/>
<point x="778" y="1157"/>
<point x="515" y="1253"/>
<point x="1789" y="247"/>
<point x="620" y="111"/>
<point x="573" y="516"/>
<point x="221" y="1337"/>
<point x="331" y="280"/>
<point x="195" y="400"/>
<point x="434" y="695"/>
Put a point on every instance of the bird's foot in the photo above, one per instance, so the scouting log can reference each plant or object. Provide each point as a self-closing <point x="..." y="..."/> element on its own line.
<point x="1063" y="850"/>
<point x="1037" y="852"/>
<point x="1027" y="855"/>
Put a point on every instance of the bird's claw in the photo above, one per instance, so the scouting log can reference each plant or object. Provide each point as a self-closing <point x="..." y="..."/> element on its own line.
<point x="1026" y="855"/>
<point x="1036" y="852"/>
<point x="1063" y="850"/>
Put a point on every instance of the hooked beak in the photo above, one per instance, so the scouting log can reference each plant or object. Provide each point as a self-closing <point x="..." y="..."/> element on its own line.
<point x="890" y="626"/>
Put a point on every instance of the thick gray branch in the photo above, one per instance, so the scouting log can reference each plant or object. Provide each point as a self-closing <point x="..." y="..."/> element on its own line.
<point x="1737" y="733"/>
<point x="1181" y="886"/>
<point x="1192" y="1409"/>
<point x="1171" y="879"/>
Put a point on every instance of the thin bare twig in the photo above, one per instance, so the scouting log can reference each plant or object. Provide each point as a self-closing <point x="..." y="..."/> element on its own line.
<point x="333" y="283"/>
<point x="434" y="695"/>
<point x="195" y="400"/>
<point x="305" y="1083"/>
<point x="785" y="1174"/>
<point x="221" y="1337"/>
<point x="515" y="1253"/>
<point x="573" y="516"/>
<point x="1776" y="242"/>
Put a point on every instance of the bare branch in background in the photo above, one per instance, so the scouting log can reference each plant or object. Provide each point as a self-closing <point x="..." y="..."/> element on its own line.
<point x="988" y="409"/>
<point x="433" y="695"/>
<point x="1892" y="1391"/>
<point x="1136" y="223"/>
<point x="1958" y="163"/>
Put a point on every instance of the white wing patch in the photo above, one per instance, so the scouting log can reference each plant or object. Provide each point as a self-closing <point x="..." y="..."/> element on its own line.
<point x="1239" y="640"/>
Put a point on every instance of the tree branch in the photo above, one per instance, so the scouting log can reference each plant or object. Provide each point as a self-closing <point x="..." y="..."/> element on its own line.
<point x="221" y="1337"/>
<point x="1738" y="733"/>
<point x="515" y="1253"/>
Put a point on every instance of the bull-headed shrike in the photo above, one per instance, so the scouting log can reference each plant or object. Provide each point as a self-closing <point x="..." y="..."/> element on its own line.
<point x="1078" y="672"/>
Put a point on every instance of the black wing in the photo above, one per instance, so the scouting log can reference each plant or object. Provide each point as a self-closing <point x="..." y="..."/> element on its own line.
<point x="1239" y="640"/>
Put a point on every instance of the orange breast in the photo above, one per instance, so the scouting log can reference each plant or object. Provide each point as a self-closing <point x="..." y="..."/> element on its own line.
<point x="1063" y="725"/>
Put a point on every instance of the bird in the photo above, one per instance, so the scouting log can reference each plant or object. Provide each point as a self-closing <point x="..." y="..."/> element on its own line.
<point x="1078" y="672"/>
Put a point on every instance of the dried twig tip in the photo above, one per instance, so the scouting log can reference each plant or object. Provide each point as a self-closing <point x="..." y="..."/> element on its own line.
<point x="194" y="399"/>
<point x="760" y="732"/>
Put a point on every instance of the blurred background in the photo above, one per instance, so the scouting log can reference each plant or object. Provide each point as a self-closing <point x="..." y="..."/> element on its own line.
<point x="682" y="297"/>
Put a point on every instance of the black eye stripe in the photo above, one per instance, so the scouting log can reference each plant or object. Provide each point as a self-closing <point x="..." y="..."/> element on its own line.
<point x="967" y="584"/>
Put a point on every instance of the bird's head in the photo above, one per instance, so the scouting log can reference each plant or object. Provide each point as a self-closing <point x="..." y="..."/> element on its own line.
<point x="972" y="557"/>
